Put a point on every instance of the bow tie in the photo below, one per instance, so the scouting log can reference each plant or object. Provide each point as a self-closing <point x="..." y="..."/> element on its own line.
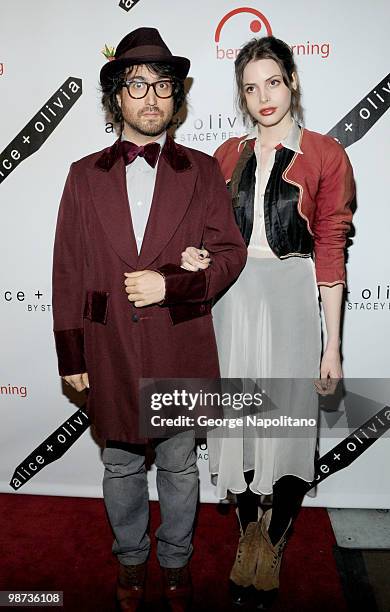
<point x="150" y="152"/>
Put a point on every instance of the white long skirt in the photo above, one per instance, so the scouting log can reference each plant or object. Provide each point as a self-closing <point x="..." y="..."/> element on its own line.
<point x="268" y="326"/>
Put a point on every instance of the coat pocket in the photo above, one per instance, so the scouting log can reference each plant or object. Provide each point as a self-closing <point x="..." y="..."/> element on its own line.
<point x="96" y="306"/>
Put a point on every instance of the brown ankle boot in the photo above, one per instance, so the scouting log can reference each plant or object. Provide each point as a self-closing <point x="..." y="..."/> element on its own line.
<point x="269" y="557"/>
<point x="243" y="571"/>
<point x="244" y="567"/>
<point x="177" y="588"/>
<point x="130" y="586"/>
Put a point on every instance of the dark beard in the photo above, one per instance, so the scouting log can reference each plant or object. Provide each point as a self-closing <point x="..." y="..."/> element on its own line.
<point x="153" y="129"/>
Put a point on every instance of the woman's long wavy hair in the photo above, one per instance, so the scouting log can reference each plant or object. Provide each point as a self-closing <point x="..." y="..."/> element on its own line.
<point x="273" y="48"/>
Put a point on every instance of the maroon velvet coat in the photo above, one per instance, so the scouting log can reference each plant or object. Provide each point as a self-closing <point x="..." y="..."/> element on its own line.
<point x="97" y="330"/>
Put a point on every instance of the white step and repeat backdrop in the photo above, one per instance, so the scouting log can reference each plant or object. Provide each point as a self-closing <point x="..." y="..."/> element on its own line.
<point x="50" y="57"/>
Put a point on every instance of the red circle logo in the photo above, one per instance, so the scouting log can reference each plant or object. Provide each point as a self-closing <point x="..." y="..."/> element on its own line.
<point x="260" y="24"/>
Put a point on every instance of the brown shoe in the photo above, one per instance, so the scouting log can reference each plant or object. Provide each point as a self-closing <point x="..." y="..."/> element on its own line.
<point x="130" y="586"/>
<point x="243" y="571"/>
<point x="177" y="588"/>
<point x="270" y="557"/>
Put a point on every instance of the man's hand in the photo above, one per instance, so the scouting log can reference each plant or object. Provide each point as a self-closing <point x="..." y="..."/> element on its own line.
<point x="194" y="259"/>
<point x="145" y="287"/>
<point x="77" y="381"/>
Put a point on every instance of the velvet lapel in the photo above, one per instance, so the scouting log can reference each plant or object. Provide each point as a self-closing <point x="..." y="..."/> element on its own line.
<point x="107" y="182"/>
<point x="175" y="184"/>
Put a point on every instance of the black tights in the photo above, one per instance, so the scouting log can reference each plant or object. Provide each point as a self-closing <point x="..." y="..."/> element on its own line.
<point x="288" y="493"/>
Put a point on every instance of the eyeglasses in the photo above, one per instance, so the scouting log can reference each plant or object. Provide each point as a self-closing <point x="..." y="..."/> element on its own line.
<point x="140" y="89"/>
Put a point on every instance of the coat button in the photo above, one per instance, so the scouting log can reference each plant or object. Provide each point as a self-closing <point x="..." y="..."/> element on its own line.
<point x="135" y="318"/>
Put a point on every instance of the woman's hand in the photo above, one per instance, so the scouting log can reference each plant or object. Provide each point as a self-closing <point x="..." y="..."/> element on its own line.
<point x="194" y="259"/>
<point x="77" y="381"/>
<point x="330" y="372"/>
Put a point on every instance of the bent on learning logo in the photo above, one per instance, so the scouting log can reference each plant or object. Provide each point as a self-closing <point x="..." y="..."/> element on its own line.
<point x="260" y="25"/>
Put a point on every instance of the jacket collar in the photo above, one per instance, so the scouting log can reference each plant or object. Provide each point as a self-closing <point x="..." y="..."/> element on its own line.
<point x="292" y="140"/>
<point x="174" y="154"/>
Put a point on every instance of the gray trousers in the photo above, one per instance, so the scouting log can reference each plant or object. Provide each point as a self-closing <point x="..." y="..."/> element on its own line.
<point x="126" y="499"/>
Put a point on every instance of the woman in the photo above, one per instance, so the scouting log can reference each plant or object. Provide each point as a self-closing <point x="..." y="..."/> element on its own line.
<point x="291" y="191"/>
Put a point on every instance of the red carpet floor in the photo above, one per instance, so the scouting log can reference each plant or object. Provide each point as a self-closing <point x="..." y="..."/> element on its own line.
<point x="63" y="543"/>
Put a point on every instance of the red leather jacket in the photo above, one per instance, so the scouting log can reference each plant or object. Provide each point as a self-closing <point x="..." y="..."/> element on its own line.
<point x="324" y="177"/>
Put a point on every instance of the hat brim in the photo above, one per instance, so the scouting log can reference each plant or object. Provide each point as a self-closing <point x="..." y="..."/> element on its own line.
<point x="181" y="66"/>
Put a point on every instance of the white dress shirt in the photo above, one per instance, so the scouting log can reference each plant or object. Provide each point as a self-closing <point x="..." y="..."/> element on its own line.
<point x="141" y="180"/>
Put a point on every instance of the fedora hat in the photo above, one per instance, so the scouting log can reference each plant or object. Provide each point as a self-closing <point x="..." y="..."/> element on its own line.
<point x="142" y="46"/>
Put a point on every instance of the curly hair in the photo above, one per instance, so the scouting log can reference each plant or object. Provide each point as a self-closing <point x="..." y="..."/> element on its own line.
<point x="109" y="92"/>
<point x="268" y="47"/>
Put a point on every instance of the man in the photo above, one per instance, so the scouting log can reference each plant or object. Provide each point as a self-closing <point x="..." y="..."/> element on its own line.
<point x="124" y="308"/>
